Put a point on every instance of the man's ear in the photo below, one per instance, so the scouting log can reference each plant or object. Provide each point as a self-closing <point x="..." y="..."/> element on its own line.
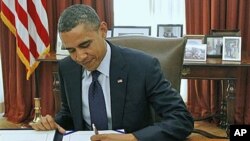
<point x="103" y="29"/>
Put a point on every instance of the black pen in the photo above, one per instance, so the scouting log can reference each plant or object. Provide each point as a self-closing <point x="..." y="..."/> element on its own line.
<point x="67" y="133"/>
<point x="95" y="130"/>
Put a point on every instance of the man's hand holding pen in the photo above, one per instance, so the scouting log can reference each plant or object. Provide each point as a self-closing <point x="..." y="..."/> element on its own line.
<point x="111" y="137"/>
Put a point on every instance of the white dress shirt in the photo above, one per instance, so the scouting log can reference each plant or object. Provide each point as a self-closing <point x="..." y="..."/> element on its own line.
<point x="104" y="82"/>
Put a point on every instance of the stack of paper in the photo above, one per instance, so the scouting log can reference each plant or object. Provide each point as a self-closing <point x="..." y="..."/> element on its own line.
<point x="26" y="135"/>
<point x="84" y="135"/>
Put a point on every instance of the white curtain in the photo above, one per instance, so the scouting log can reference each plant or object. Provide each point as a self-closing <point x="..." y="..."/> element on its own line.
<point x="151" y="13"/>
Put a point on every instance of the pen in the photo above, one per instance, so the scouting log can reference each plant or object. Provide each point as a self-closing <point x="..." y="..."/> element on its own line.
<point x="120" y="131"/>
<point x="95" y="130"/>
<point x="70" y="132"/>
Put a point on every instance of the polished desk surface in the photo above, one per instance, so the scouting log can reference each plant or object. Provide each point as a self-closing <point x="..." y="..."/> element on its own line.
<point x="213" y="68"/>
<point x="217" y="62"/>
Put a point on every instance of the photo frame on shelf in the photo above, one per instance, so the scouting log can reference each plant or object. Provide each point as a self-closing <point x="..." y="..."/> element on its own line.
<point x="231" y="49"/>
<point x="195" y="52"/>
<point x="59" y="48"/>
<point x="109" y="33"/>
<point x="131" y="30"/>
<point x="169" y="30"/>
<point x="194" y="39"/>
<point x="214" y="45"/>
<point x="225" y="32"/>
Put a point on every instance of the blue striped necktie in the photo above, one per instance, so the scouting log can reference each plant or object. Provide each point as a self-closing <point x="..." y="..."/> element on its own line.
<point x="97" y="106"/>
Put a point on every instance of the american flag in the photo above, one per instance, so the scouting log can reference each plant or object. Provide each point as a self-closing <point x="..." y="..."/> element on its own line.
<point x="27" y="20"/>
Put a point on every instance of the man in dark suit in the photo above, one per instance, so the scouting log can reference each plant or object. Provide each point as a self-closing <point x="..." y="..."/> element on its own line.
<point x="131" y="82"/>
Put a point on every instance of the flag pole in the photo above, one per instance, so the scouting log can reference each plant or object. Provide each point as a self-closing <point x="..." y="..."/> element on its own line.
<point x="37" y="100"/>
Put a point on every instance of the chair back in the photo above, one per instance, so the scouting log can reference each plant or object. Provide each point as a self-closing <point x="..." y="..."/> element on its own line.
<point x="169" y="51"/>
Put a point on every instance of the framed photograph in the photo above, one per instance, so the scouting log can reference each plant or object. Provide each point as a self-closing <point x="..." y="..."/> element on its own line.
<point x="214" y="45"/>
<point x="109" y="33"/>
<point x="169" y="30"/>
<point x="59" y="48"/>
<point x="231" y="48"/>
<point x="225" y="32"/>
<point x="194" y="39"/>
<point x="195" y="52"/>
<point x="131" y="30"/>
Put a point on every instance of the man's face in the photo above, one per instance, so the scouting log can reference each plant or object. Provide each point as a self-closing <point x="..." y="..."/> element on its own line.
<point x="87" y="47"/>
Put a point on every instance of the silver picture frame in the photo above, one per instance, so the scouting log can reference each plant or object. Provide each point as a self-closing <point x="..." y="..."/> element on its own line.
<point x="131" y="30"/>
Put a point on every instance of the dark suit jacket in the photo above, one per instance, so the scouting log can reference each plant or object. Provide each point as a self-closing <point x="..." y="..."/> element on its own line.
<point x="143" y="85"/>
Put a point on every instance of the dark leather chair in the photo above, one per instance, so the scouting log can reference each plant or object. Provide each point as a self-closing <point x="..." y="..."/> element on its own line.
<point x="169" y="51"/>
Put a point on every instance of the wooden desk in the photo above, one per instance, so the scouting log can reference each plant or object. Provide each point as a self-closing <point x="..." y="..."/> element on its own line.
<point x="232" y="73"/>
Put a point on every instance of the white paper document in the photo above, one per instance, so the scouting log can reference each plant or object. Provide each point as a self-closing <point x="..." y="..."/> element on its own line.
<point x="26" y="135"/>
<point x="85" y="135"/>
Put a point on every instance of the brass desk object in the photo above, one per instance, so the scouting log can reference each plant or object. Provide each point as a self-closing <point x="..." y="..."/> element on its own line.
<point x="38" y="115"/>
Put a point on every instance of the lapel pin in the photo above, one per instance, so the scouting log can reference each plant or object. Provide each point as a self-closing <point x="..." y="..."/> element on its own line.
<point x="119" y="81"/>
